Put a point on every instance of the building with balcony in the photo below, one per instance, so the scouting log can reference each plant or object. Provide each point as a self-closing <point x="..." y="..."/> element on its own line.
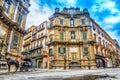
<point x="13" y="15"/>
<point x="35" y="43"/>
<point x="75" y="40"/>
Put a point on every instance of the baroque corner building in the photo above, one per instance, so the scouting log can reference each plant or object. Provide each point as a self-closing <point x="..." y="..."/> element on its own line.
<point x="13" y="14"/>
<point x="77" y="41"/>
<point x="35" y="43"/>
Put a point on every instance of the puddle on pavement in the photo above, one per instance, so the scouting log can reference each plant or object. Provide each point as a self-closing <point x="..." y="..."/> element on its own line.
<point x="87" y="77"/>
<point x="93" y="77"/>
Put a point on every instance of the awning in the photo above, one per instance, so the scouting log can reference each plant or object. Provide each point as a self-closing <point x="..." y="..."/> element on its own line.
<point x="104" y="59"/>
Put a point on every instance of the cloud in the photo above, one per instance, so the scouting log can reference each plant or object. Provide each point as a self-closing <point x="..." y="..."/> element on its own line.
<point x="112" y="19"/>
<point x="68" y="2"/>
<point x="37" y="14"/>
<point x="114" y="35"/>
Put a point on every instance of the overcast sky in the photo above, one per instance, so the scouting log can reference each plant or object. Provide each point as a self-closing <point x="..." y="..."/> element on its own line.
<point x="105" y="12"/>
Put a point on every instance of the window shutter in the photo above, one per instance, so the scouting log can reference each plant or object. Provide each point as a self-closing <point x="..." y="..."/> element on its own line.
<point x="51" y="24"/>
<point x="84" y="36"/>
<point x="83" y="21"/>
<point x="86" y="50"/>
<point x="58" y="50"/>
<point x="61" y="21"/>
<point x="61" y="36"/>
<point x="64" y="50"/>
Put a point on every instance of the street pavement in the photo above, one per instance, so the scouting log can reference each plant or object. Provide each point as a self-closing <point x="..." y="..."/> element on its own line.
<point x="60" y="74"/>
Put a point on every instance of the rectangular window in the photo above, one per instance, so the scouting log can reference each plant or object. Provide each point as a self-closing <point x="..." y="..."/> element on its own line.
<point x="8" y="9"/>
<point x="15" y="38"/>
<point x="51" y="24"/>
<point x="61" y="21"/>
<point x="6" y="5"/>
<point x="15" y="42"/>
<point x="61" y="36"/>
<point x="83" y="21"/>
<point x="51" y="39"/>
<point x="84" y="36"/>
<point x="50" y="51"/>
<point x="19" y="18"/>
<point x="61" y="50"/>
<point x="85" y="50"/>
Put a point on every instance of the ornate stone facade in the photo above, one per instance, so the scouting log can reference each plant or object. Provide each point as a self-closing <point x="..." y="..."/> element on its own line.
<point x="75" y="40"/>
<point x="35" y="43"/>
<point x="13" y="15"/>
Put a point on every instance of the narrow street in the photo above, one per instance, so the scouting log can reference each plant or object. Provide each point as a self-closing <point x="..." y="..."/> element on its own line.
<point x="110" y="73"/>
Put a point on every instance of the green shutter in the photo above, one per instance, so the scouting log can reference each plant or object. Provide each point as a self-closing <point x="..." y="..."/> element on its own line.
<point x="61" y="50"/>
<point x="61" y="21"/>
<point x="84" y="36"/>
<point x="61" y="36"/>
<point x="51" y="24"/>
<point x="64" y="50"/>
<point x="15" y="38"/>
<point x="58" y="50"/>
<point x="83" y="21"/>
<point x="51" y="39"/>
<point x="19" y="18"/>
<point x="86" y="50"/>
<point x="50" y="51"/>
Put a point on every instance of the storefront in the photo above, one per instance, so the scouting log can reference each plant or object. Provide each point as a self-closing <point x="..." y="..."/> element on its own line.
<point x="101" y="61"/>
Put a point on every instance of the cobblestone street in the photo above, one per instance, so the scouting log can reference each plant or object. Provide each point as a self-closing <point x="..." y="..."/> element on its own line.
<point x="60" y="74"/>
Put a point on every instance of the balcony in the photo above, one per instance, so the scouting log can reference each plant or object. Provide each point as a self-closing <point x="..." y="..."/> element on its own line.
<point x="27" y="37"/>
<point x="33" y="39"/>
<point x="42" y="36"/>
<point x="26" y="43"/>
<point x="42" y="28"/>
<point x="25" y="52"/>
<point x="37" y="54"/>
<point x="36" y="47"/>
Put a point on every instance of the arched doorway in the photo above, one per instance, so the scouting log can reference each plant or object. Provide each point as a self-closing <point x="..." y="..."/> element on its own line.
<point x="74" y="64"/>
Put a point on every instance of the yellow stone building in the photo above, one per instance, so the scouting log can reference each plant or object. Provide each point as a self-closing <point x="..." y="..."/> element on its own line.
<point x="13" y="15"/>
<point x="75" y="40"/>
<point x="35" y="43"/>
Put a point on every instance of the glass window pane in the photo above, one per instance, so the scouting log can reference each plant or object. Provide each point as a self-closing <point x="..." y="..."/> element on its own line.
<point x="61" y="21"/>
<point x="86" y="50"/>
<point x="61" y="36"/>
<point x="51" y="24"/>
<point x="84" y="36"/>
<point x="83" y="21"/>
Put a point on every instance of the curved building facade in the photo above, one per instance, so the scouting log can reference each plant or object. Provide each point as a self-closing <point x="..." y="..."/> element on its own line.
<point x="13" y="14"/>
<point x="77" y="41"/>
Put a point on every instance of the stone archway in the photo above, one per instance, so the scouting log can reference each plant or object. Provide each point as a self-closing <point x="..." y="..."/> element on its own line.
<point x="74" y="64"/>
